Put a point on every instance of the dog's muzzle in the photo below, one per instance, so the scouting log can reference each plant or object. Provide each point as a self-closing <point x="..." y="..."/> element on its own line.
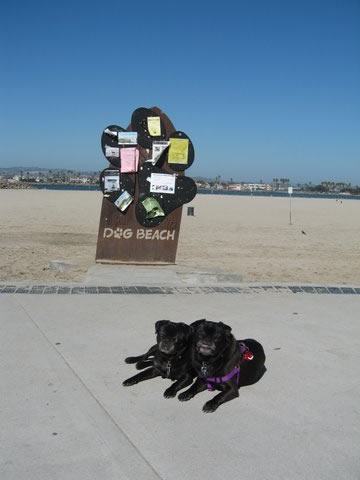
<point x="205" y="348"/>
<point x="166" y="347"/>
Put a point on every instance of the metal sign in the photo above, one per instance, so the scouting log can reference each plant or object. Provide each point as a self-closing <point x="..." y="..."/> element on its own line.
<point x="121" y="238"/>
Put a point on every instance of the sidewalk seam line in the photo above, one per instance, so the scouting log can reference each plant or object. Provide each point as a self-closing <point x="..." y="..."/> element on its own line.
<point x="91" y="393"/>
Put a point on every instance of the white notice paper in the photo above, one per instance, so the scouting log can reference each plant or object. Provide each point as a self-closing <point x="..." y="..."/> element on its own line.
<point x="112" y="151"/>
<point x="162" y="183"/>
<point x="157" y="150"/>
<point x="111" y="133"/>
<point x="111" y="181"/>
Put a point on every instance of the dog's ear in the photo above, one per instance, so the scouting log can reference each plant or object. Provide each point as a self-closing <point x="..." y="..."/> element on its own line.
<point x="225" y="327"/>
<point x="159" y="324"/>
<point x="195" y="324"/>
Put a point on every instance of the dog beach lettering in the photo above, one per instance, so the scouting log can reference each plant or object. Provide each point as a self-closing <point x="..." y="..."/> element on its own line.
<point x="139" y="233"/>
<point x="118" y="233"/>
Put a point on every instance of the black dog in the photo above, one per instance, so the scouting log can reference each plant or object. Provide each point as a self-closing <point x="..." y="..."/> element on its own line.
<point x="169" y="358"/>
<point x="222" y="363"/>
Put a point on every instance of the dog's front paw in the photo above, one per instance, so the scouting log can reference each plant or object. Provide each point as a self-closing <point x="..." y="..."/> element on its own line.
<point x="210" y="406"/>
<point x="129" y="382"/>
<point x="185" y="396"/>
<point x="170" y="393"/>
<point x="131" y="360"/>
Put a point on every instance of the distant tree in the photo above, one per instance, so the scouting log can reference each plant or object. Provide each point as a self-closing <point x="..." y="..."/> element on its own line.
<point x="320" y="188"/>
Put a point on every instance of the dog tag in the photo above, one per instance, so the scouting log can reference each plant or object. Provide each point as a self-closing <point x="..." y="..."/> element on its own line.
<point x="168" y="368"/>
<point x="203" y="370"/>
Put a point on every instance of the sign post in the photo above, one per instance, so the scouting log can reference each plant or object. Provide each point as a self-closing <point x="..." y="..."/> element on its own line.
<point x="290" y="191"/>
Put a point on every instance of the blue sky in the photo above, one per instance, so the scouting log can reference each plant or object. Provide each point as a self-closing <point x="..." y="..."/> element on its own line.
<point x="263" y="88"/>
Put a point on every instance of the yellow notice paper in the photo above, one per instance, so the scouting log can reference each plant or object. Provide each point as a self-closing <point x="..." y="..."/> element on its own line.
<point x="178" y="152"/>
<point x="154" y="127"/>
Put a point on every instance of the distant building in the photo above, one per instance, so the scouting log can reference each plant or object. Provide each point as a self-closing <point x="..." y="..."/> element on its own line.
<point x="259" y="186"/>
<point x="250" y="187"/>
<point x="237" y="187"/>
<point x="200" y="184"/>
<point x="280" y="184"/>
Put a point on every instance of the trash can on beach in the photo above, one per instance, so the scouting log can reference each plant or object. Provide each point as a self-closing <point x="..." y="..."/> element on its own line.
<point x="190" y="211"/>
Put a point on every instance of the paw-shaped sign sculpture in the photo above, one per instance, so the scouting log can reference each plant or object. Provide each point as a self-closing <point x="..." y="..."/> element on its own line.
<point x="147" y="164"/>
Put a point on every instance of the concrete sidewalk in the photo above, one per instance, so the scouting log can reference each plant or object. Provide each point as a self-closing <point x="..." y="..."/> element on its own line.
<point x="65" y="414"/>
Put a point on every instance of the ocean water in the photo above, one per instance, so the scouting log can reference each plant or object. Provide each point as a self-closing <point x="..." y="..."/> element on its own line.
<point x="280" y="194"/>
<point x="338" y="196"/>
<point x="45" y="186"/>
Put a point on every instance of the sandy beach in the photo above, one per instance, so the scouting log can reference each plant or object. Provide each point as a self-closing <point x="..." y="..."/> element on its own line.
<point x="247" y="235"/>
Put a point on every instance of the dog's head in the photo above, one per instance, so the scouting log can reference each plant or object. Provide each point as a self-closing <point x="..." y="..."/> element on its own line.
<point x="210" y="338"/>
<point x="172" y="337"/>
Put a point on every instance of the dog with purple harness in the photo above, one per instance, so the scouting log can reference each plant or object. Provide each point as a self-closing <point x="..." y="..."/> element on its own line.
<point x="222" y="363"/>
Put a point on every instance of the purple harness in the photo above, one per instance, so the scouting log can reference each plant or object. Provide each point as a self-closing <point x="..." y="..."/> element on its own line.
<point x="225" y="378"/>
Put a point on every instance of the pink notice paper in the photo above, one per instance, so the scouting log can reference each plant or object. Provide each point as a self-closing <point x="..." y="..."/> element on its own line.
<point x="129" y="159"/>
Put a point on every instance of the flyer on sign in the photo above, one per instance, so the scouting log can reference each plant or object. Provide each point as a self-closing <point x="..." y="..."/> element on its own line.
<point x="153" y="208"/>
<point x="112" y="151"/>
<point x="162" y="183"/>
<point x="178" y="152"/>
<point x="129" y="160"/>
<point x="127" y="138"/>
<point x="111" y="133"/>
<point x="123" y="201"/>
<point x="111" y="181"/>
<point x="154" y="126"/>
<point x="157" y="150"/>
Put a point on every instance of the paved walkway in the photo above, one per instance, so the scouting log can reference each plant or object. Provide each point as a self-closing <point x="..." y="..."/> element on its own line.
<point x="65" y="415"/>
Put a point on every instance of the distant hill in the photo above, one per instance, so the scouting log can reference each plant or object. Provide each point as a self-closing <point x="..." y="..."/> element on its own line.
<point x="15" y="170"/>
